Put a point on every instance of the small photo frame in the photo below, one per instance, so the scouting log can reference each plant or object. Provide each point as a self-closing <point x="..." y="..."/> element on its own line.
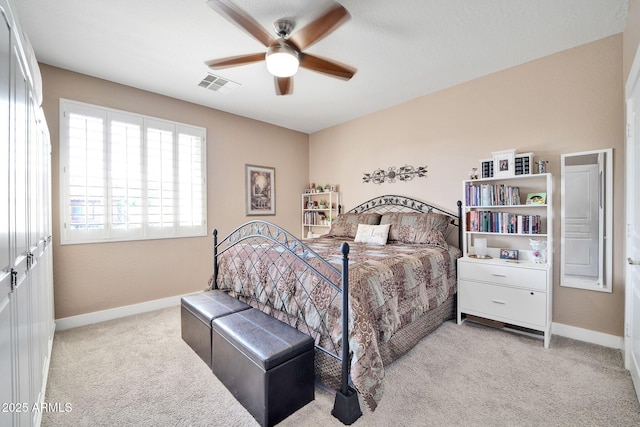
<point x="510" y="254"/>
<point x="260" y="190"/>
<point x="504" y="163"/>
<point x="536" y="198"/>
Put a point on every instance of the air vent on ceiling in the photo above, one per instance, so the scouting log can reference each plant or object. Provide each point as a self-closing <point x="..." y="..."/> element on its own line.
<point x="218" y="84"/>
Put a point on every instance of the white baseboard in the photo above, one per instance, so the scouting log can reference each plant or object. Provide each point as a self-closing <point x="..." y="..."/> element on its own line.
<point x="115" y="313"/>
<point x="586" y="335"/>
<point x="580" y="334"/>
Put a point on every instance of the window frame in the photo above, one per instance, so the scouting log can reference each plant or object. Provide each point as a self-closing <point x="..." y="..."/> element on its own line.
<point x="108" y="233"/>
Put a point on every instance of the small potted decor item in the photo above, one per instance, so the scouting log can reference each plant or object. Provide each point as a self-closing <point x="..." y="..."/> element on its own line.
<point x="319" y="189"/>
<point x="538" y="251"/>
<point x="327" y="187"/>
<point x="323" y="204"/>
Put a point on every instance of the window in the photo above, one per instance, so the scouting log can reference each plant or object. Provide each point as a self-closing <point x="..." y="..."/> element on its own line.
<point x="125" y="176"/>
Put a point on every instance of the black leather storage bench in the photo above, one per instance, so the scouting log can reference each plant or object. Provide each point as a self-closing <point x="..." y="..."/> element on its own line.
<point x="265" y="363"/>
<point x="197" y="313"/>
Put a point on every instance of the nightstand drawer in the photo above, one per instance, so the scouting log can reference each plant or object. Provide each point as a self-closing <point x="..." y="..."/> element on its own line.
<point x="510" y="305"/>
<point x="504" y="275"/>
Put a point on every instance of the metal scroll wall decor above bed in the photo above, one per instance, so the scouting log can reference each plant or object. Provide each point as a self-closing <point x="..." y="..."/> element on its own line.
<point x="403" y="173"/>
<point x="269" y="268"/>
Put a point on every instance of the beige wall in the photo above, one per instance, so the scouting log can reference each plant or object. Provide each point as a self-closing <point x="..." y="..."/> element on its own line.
<point x="568" y="102"/>
<point x="631" y="36"/>
<point x="95" y="277"/>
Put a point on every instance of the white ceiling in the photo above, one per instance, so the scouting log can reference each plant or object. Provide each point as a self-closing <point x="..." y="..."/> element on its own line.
<point x="402" y="49"/>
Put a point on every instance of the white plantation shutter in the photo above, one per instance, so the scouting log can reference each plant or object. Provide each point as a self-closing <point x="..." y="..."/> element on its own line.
<point x="84" y="171"/>
<point x="191" y="164"/>
<point x="126" y="177"/>
<point x="161" y="178"/>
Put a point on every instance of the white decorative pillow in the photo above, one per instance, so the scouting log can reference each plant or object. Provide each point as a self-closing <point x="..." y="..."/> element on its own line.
<point x="376" y="234"/>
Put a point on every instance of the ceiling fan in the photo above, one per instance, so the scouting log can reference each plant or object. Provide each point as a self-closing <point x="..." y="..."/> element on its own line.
<point x="285" y="52"/>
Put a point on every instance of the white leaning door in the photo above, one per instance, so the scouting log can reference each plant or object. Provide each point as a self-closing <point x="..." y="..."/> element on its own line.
<point x="632" y="277"/>
<point x="582" y="220"/>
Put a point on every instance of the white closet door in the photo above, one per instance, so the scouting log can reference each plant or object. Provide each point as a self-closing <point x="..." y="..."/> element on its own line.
<point x="6" y="344"/>
<point x="632" y="277"/>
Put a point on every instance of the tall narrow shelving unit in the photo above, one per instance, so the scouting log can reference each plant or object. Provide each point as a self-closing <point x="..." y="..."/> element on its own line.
<point x="516" y="291"/>
<point x="317" y="217"/>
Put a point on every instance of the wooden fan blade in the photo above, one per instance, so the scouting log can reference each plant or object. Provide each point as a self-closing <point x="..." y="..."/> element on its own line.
<point x="321" y="27"/>
<point x="241" y="19"/>
<point x="284" y="85"/>
<point x="325" y="66"/>
<point x="233" y="61"/>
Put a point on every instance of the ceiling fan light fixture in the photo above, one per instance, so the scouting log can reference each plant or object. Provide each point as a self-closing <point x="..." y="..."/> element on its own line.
<point x="282" y="60"/>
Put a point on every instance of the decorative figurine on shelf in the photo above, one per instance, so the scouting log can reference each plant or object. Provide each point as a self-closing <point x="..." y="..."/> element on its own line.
<point x="473" y="173"/>
<point x="542" y="165"/>
<point x="538" y="251"/>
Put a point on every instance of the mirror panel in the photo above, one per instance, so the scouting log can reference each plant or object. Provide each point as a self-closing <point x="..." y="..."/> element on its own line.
<point x="586" y="222"/>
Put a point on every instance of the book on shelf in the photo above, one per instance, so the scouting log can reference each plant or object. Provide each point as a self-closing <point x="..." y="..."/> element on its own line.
<point x="491" y="195"/>
<point x="315" y="218"/>
<point x="502" y="222"/>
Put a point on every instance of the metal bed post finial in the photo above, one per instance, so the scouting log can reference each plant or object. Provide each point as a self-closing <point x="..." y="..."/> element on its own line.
<point x="346" y="407"/>
<point x="459" y="203"/>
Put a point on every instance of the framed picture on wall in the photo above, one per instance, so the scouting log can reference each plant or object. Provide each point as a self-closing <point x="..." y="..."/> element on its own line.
<point x="504" y="163"/>
<point x="260" y="190"/>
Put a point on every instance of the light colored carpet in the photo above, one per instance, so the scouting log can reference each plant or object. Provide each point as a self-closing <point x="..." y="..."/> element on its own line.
<point x="137" y="371"/>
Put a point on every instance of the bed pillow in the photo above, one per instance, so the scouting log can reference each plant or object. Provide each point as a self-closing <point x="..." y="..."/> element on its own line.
<point x="432" y="238"/>
<point x="414" y="227"/>
<point x="376" y="234"/>
<point x="346" y="224"/>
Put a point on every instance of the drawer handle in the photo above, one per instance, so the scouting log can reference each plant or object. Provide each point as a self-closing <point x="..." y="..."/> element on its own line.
<point x="499" y="275"/>
<point x="498" y="301"/>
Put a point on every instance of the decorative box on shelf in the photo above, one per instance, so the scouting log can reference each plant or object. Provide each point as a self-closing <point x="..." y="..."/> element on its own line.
<point x="507" y="163"/>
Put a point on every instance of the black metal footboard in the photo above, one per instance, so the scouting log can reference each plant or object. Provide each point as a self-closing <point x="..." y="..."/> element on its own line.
<point x="267" y="267"/>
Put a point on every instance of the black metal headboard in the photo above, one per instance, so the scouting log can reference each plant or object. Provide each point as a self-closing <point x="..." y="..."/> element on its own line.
<point x="395" y="203"/>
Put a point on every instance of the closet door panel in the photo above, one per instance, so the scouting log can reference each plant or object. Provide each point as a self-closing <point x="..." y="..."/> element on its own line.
<point x="18" y="188"/>
<point x="20" y="140"/>
<point x="24" y="359"/>
<point x="5" y="68"/>
<point x="6" y="360"/>
<point x="6" y="344"/>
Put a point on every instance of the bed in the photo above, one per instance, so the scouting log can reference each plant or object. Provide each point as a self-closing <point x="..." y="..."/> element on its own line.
<point x="390" y="262"/>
